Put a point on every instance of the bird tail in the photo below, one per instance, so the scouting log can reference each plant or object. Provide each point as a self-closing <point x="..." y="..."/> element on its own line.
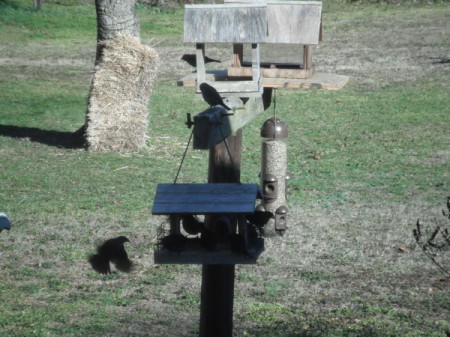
<point x="124" y="265"/>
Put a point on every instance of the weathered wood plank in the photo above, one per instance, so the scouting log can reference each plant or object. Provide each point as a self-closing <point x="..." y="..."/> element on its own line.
<point x="277" y="70"/>
<point x="296" y="22"/>
<point x="201" y="68"/>
<point x="234" y="87"/>
<point x="238" y="54"/>
<point x="225" y="23"/>
<point x="205" y="199"/>
<point x="317" y="80"/>
<point x="255" y="62"/>
<point x="307" y="56"/>
<point x="293" y="22"/>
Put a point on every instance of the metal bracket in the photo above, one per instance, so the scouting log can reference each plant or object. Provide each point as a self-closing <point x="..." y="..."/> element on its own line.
<point x="189" y="121"/>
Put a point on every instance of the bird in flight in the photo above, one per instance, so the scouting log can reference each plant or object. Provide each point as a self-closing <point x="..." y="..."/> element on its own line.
<point x="191" y="59"/>
<point x="211" y="96"/>
<point x="4" y="222"/>
<point x="111" y="251"/>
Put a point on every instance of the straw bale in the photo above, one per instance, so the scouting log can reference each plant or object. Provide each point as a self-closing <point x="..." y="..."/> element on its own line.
<point x="117" y="116"/>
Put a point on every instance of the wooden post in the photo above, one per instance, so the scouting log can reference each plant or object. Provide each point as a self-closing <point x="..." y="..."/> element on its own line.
<point x="217" y="294"/>
<point x="238" y="54"/>
<point x="307" y="57"/>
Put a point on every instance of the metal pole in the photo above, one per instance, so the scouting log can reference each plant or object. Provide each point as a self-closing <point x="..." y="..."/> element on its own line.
<point x="217" y="294"/>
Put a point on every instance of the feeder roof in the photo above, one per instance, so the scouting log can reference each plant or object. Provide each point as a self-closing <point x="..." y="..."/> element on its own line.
<point x="205" y="199"/>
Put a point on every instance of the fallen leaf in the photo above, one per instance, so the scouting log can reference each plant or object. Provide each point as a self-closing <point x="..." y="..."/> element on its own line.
<point x="403" y="249"/>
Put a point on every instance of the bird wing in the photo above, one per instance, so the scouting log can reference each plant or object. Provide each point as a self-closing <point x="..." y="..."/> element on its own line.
<point x="121" y="260"/>
<point x="100" y="263"/>
<point x="124" y="265"/>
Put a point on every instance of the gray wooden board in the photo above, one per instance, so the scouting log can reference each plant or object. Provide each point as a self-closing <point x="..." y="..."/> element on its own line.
<point x="317" y="80"/>
<point x="225" y="23"/>
<point x="205" y="199"/>
<point x="293" y="22"/>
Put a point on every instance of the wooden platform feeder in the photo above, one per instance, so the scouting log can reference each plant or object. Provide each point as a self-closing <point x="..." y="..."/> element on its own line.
<point x="205" y="199"/>
<point x="288" y="22"/>
<point x="229" y="23"/>
<point x="271" y="22"/>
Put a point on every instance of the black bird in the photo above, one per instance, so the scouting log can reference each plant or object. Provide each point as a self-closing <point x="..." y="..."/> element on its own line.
<point x="238" y="244"/>
<point x="191" y="59"/>
<point x="191" y="224"/>
<point x="208" y="239"/>
<point x="4" y="222"/>
<point x="113" y="251"/>
<point x="259" y="218"/>
<point x="223" y="227"/>
<point x="174" y="242"/>
<point x="211" y="96"/>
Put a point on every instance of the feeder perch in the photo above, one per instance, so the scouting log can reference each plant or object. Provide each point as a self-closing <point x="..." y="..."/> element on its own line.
<point x="228" y="199"/>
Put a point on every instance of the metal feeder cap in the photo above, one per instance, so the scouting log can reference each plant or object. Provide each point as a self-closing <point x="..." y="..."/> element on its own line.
<point x="274" y="128"/>
<point x="282" y="210"/>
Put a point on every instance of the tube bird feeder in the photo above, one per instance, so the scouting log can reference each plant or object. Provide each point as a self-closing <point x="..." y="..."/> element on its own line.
<point x="273" y="174"/>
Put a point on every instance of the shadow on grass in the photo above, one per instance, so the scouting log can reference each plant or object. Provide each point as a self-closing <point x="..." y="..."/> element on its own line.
<point x="68" y="140"/>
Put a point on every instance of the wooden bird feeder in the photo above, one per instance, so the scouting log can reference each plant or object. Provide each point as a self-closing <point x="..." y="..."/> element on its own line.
<point x="288" y="22"/>
<point x="249" y="85"/>
<point x="206" y="199"/>
<point x="230" y="23"/>
<point x="275" y="23"/>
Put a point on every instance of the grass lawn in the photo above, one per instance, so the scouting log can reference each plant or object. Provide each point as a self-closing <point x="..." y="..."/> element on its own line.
<point x="366" y="162"/>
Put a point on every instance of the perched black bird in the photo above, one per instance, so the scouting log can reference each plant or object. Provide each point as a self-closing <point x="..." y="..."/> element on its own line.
<point x="113" y="251"/>
<point x="223" y="227"/>
<point x="238" y="244"/>
<point x="174" y="242"/>
<point x="252" y="234"/>
<point x="208" y="239"/>
<point x="259" y="218"/>
<point x="191" y="59"/>
<point x="191" y="224"/>
<point x="4" y="222"/>
<point x="211" y="96"/>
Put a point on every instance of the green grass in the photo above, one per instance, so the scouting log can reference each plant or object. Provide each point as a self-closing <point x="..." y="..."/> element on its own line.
<point x="366" y="162"/>
<point x="52" y="22"/>
<point x="74" y="20"/>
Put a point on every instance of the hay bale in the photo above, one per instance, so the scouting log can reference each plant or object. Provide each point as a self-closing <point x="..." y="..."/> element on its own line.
<point x="117" y="116"/>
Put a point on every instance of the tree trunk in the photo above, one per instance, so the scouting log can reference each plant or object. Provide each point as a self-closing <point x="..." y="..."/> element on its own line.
<point x="115" y="17"/>
<point x="38" y="4"/>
